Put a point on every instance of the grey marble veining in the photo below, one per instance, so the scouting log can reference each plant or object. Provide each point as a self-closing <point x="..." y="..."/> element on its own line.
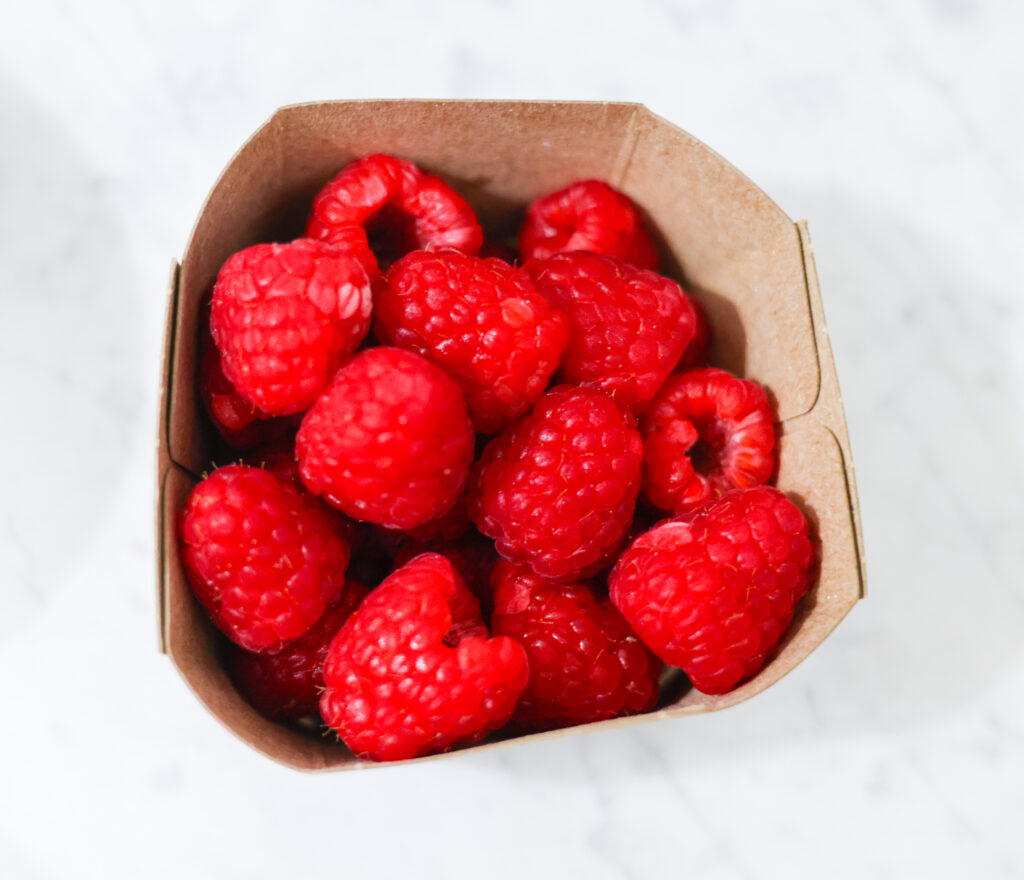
<point x="897" y="750"/>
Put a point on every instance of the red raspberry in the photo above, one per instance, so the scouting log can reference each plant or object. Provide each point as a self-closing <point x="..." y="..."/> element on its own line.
<point x="473" y="556"/>
<point x="288" y="684"/>
<point x="714" y="591"/>
<point x="263" y="562"/>
<point x="629" y="326"/>
<point x="706" y="433"/>
<point x="352" y="240"/>
<point x="401" y="208"/>
<point x="285" y="317"/>
<point x="587" y="216"/>
<point x="586" y="664"/>
<point x="389" y="442"/>
<point x="412" y="672"/>
<point x="557" y="489"/>
<point x="240" y="423"/>
<point x="482" y="322"/>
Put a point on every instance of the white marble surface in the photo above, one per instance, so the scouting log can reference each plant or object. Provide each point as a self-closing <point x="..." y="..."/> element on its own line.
<point x="897" y="750"/>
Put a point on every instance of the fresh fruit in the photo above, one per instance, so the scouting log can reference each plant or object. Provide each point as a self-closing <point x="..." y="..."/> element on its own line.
<point x="629" y="326"/>
<point x="714" y="591"/>
<point x="401" y="208"/>
<point x="407" y="347"/>
<point x="705" y="433"/>
<point x="586" y="664"/>
<point x="352" y="240"/>
<point x="472" y="555"/>
<point x="482" y="322"/>
<point x="264" y="563"/>
<point x="288" y="684"/>
<point x="240" y="423"/>
<point x="587" y="216"/>
<point x="557" y="490"/>
<point x="412" y="672"/>
<point x="285" y="317"/>
<point x="389" y="442"/>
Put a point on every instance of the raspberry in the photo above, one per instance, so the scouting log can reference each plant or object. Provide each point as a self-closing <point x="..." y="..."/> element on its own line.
<point x="263" y="562"/>
<point x="715" y="590"/>
<point x="352" y="241"/>
<point x="401" y="208"/>
<point x="288" y="684"/>
<point x="285" y="317"/>
<point x="629" y="326"/>
<point x="389" y="442"/>
<point x="240" y="423"/>
<point x="412" y="672"/>
<point x="472" y="556"/>
<point x="557" y="489"/>
<point x="705" y="433"/>
<point x="587" y="216"/>
<point x="482" y="322"/>
<point x="586" y="664"/>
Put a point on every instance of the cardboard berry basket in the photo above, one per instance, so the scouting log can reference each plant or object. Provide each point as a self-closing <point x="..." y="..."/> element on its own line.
<point x="749" y="265"/>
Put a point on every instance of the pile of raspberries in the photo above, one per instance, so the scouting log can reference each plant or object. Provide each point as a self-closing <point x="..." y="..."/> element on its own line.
<point x="479" y="490"/>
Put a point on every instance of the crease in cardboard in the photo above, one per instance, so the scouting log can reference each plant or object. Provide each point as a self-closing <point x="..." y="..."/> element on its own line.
<point x="162" y="459"/>
<point x="630" y="139"/>
<point x="807" y="254"/>
<point x="167" y="377"/>
<point x="836" y="418"/>
<point x="161" y="580"/>
<point x="163" y="575"/>
<point x="805" y="424"/>
<point x="851" y="494"/>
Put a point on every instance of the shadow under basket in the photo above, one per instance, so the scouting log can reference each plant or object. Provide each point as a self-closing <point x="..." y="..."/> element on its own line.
<point x="751" y="267"/>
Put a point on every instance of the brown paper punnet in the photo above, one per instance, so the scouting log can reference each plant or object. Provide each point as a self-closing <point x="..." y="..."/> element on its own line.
<point x="750" y="266"/>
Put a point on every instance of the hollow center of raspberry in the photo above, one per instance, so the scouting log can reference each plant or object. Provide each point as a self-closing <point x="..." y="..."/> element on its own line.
<point x="391" y="234"/>
<point x="464" y="629"/>
<point x="708" y="454"/>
